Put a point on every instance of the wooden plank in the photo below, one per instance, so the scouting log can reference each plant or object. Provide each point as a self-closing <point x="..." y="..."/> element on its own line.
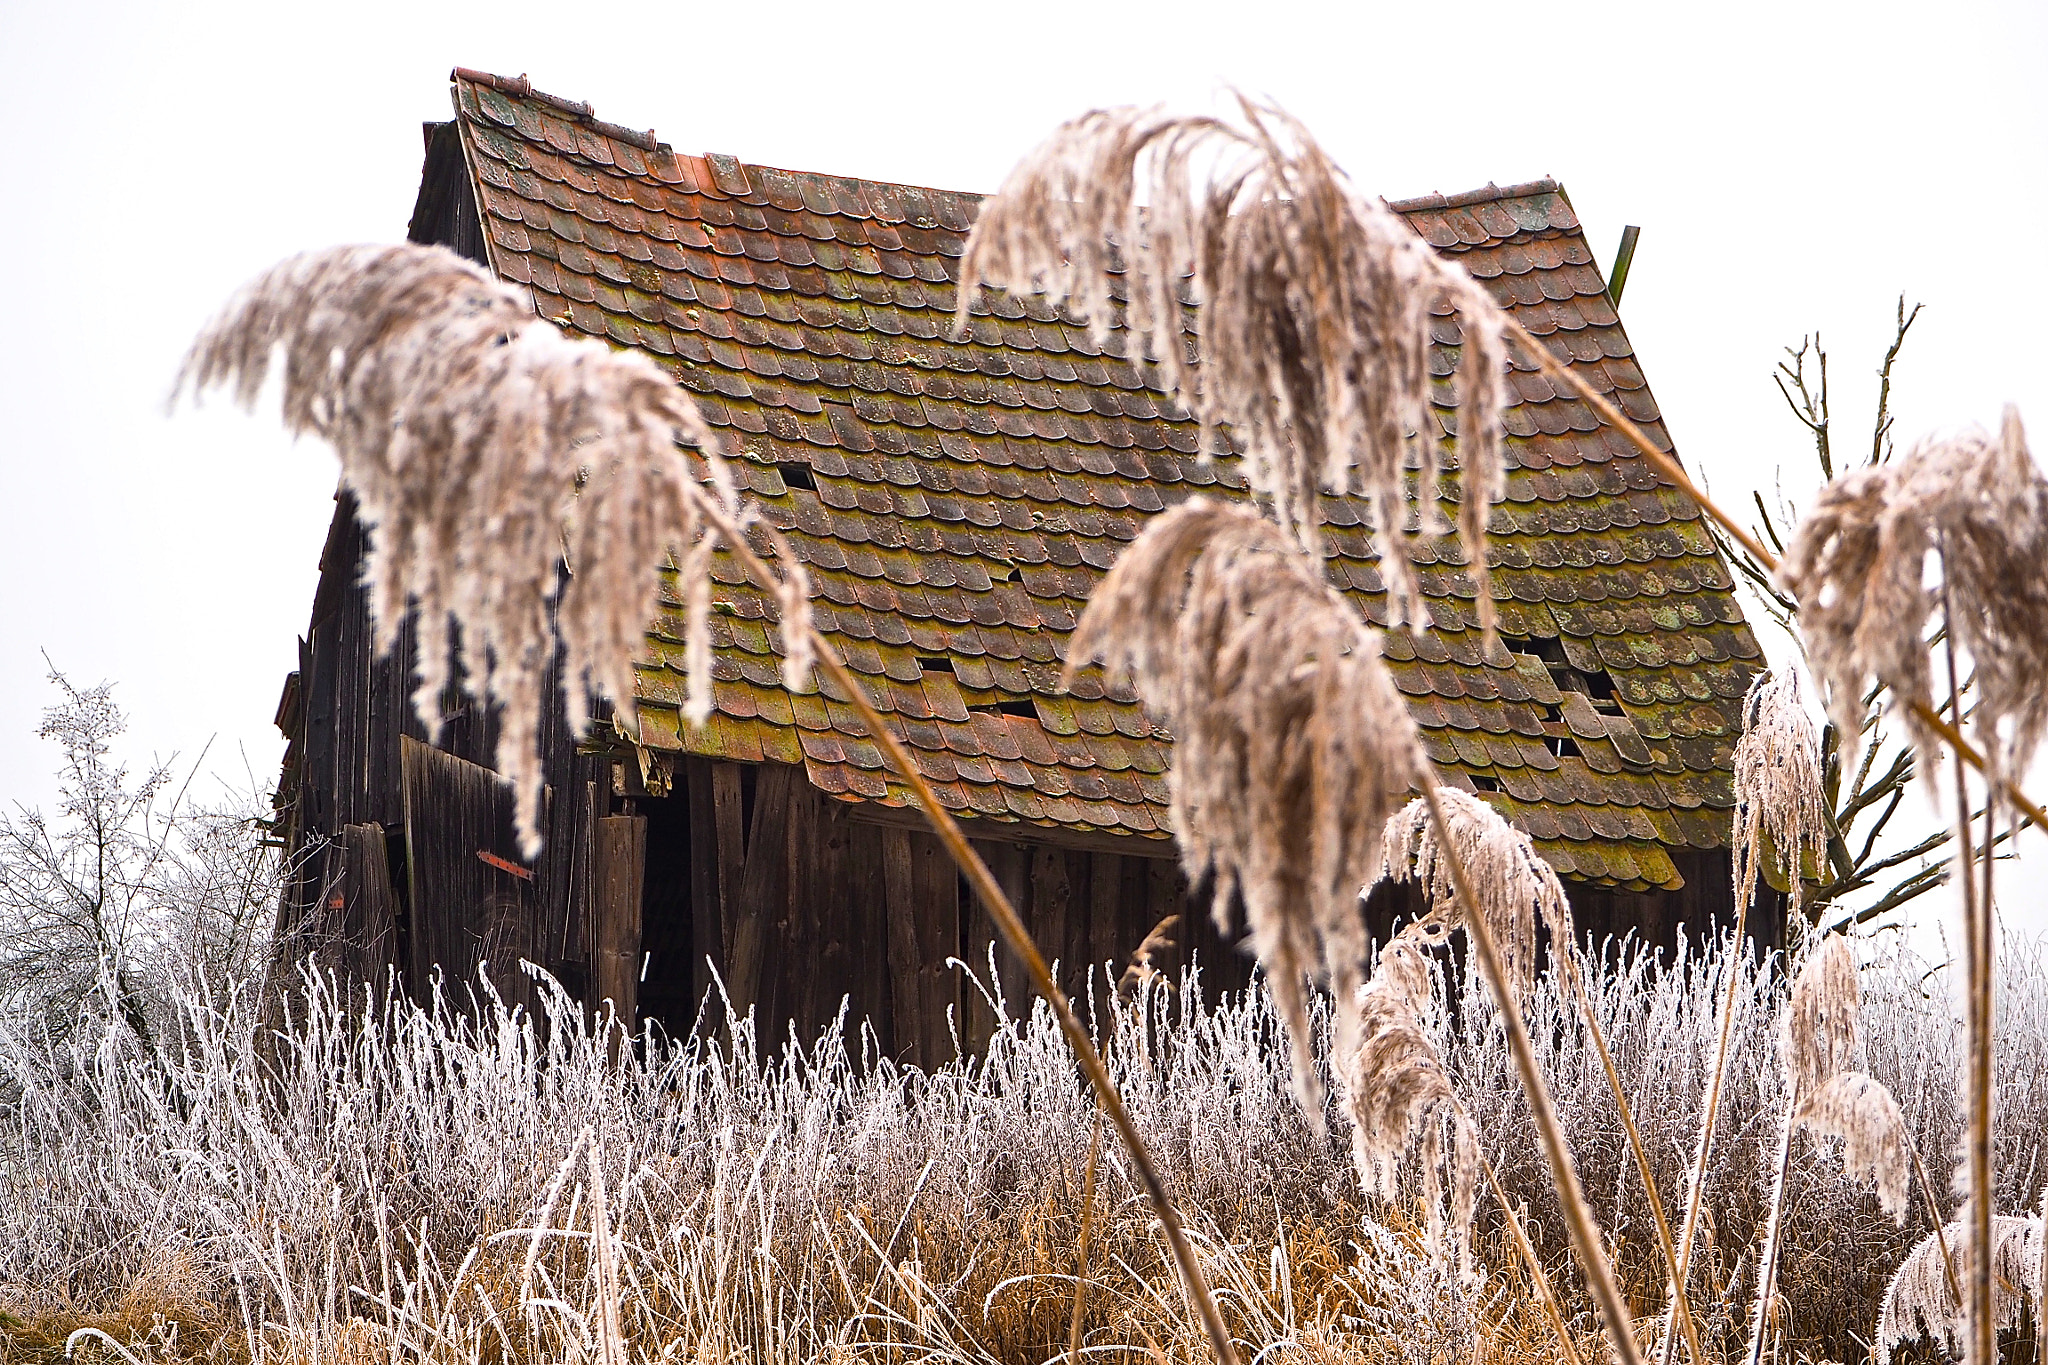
<point x="369" y="927"/>
<point x="1051" y="911"/>
<point x="1010" y="863"/>
<point x="820" y="903"/>
<point x="707" y="906"/>
<point x="866" y="899"/>
<point x="1165" y="894"/>
<point x="979" y="951"/>
<point x="935" y="910"/>
<point x="1105" y="920"/>
<point x="615" y="916"/>
<point x="728" y="814"/>
<point x="906" y="996"/>
<point x="761" y="917"/>
<point x="466" y="907"/>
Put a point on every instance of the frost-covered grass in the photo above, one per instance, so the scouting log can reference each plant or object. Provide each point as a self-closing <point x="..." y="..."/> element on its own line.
<point x="412" y="1183"/>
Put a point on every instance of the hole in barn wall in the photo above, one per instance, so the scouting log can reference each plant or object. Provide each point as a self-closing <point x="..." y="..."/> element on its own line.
<point x="933" y="664"/>
<point x="1483" y="782"/>
<point x="797" y="475"/>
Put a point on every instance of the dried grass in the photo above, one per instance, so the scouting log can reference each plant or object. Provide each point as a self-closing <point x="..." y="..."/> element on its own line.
<point x="1291" y="745"/>
<point x="1314" y="303"/>
<point x="437" y="1134"/>
<point x="484" y="447"/>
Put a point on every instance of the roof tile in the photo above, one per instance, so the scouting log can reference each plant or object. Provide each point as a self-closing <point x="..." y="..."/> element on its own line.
<point x="811" y="317"/>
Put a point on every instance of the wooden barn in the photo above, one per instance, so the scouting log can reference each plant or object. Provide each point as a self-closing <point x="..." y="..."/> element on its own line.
<point x="955" y="502"/>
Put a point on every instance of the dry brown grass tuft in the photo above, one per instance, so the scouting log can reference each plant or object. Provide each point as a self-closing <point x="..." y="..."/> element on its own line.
<point x="168" y="1310"/>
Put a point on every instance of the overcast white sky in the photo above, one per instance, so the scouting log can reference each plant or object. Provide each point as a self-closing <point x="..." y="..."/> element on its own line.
<point x="1792" y="167"/>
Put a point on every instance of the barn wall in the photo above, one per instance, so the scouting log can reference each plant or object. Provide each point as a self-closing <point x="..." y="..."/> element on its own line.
<point x="360" y="769"/>
<point x="740" y="876"/>
<point x="799" y="904"/>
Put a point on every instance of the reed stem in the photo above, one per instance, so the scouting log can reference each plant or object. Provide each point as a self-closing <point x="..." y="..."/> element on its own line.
<point x="1674" y="1268"/>
<point x="1551" y="1308"/>
<point x="1571" y="1195"/>
<point x="1697" y="1188"/>
<point x="1081" y="1252"/>
<point x="1982" y="1346"/>
<point x="1011" y="926"/>
<point x="1767" y="1268"/>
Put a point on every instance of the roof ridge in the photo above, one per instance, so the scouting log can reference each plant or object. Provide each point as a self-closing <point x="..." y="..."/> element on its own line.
<point x="1489" y="194"/>
<point x="521" y="87"/>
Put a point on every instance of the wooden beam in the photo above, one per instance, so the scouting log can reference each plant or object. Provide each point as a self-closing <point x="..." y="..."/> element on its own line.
<point x="707" y="887"/>
<point x="615" y="916"/>
<point x="906" y="998"/>
<point x="1624" y="257"/>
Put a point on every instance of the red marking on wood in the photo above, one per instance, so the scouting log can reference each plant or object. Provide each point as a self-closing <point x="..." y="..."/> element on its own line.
<point x="505" y="865"/>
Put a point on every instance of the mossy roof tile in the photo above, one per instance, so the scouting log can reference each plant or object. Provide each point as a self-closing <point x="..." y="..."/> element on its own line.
<point x="970" y="494"/>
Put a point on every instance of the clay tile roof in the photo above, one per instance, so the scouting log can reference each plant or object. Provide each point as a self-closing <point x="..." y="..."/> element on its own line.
<point x="956" y="501"/>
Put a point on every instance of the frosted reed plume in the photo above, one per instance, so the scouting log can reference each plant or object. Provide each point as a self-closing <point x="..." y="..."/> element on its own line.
<point x="1820" y="1039"/>
<point x="1394" y="1083"/>
<point x="1856" y="564"/>
<point x="1863" y="1113"/>
<point x="1516" y="888"/>
<point x="1919" y="1303"/>
<point x="1820" y="1032"/>
<point x="485" y="449"/>
<point x="1777" y="786"/>
<point x="1314" y="299"/>
<point x="1291" y="746"/>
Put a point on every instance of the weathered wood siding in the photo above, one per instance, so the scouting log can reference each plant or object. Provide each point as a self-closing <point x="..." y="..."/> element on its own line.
<point x="801" y="903"/>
